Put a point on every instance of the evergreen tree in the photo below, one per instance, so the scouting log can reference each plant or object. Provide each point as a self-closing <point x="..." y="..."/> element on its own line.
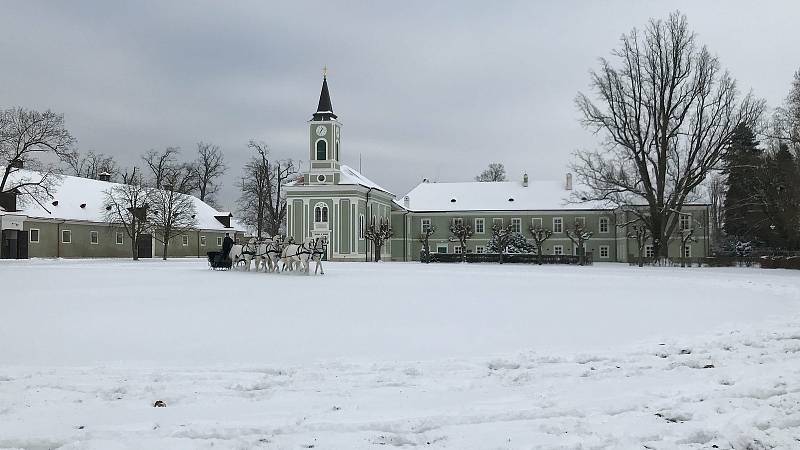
<point x="742" y="162"/>
<point x="781" y="199"/>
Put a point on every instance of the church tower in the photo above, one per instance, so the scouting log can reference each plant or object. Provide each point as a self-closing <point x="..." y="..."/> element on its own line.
<point x="324" y="134"/>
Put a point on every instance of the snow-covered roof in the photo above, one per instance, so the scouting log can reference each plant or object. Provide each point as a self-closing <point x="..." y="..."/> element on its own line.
<point x="352" y="176"/>
<point x="493" y="196"/>
<point x="72" y="192"/>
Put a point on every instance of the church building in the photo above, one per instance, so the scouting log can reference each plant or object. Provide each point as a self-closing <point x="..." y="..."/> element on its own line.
<point x="333" y="200"/>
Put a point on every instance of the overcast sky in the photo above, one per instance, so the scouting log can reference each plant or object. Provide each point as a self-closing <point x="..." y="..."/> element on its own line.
<point x="424" y="89"/>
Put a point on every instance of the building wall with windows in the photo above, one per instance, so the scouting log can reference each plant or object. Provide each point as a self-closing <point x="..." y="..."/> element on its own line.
<point x="609" y="240"/>
<point x="69" y="239"/>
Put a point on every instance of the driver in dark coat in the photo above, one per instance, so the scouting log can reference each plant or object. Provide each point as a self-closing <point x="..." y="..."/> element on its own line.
<point x="227" y="244"/>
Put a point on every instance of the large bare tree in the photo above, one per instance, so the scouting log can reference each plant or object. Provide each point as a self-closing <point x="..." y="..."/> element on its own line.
<point x="172" y="214"/>
<point x="27" y="138"/>
<point x="495" y="172"/>
<point x="92" y="164"/>
<point x="126" y="206"/>
<point x="208" y="167"/>
<point x="666" y="111"/>
<point x="262" y="203"/>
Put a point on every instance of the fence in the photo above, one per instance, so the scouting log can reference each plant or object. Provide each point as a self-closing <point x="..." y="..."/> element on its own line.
<point x="765" y="262"/>
<point x="512" y="258"/>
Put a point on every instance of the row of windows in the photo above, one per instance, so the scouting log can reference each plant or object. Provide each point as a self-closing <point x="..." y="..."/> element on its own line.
<point x="604" y="251"/>
<point x="516" y="224"/>
<point x="649" y="252"/>
<point x="94" y="238"/>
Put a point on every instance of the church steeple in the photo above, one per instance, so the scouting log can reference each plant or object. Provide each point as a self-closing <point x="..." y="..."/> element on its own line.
<point x="324" y="133"/>
<point x="324" y="108"/>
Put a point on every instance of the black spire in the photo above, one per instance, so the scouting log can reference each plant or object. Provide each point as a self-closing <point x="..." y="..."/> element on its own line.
<point x="325" y="108"/>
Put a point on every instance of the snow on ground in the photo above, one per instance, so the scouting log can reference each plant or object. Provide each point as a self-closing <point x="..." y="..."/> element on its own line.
<point x="370" y="355"/>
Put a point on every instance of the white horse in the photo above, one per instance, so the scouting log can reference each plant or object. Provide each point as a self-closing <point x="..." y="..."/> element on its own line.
<point x="266" y="254"/>
<point x="243" y="253"/>
<point x="299" y="256"/>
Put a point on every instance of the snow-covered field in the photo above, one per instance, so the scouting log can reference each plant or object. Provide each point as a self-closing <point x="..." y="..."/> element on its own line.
<point x="442" y="356"/>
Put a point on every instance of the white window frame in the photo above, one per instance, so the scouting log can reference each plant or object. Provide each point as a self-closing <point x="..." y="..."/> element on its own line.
<point x="30" y="235"/>
<point x="219" y="241"/>
<point x="560" y="228"/>
<point x="185" y="240"/>
<point x="603" y="223"/>
<point x="649" y="252"/>
<point x="324" y="214"/>
<point x="497" y="220"/>
<point x="684" y="222"/>
<point x="202" y="241"/>
<point x="516" y="225"/>
<point x="457" y="249"/>
<point x="687" y="251"/>
<point x="536" y="222"/>
<point x="424" y="223"/>
<point x="441" y="246"/>
<point x="581" y="219"/>
<point x="361" y="226"/>
<point x="119" y="238"/>
<point x="558" y="249"/>
<point x="94" y="237"/>
<point x="482" y="221"/>
<point x="480" y="249"/>
<point x="67" y="233"/>
<point x="458" y="221"/>
<point x="607" y="250"/>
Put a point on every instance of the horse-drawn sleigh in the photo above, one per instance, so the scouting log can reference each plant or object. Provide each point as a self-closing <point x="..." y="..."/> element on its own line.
<point x="273" y="255"/>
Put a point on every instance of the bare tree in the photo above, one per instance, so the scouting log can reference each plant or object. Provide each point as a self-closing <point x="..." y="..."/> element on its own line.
<point x="262" y="204"/>
<point x="208" y="167"/>
<point x="25" y="136"/>
<point x="640" y="233"/>
<point x="378" y="232"/>
<point x="495" y="172"/>
<point x="172" y="214"/>
<point x="164" y="164"/>
<point x="540" y="235"/>
<point x="461" y="232"/>
<point x="786" y="119"/>
<point x="425" y="240"/>
<point x="667" y="112"/>
<point x="92" y="164"/>
<point x="126" y="206"/>
<point x="578" y="235"/>
<point x="715" y="191"/>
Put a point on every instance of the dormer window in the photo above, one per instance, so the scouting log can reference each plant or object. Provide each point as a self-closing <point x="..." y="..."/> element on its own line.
<point x="452" y="200"/>
<point x="322" y="150"/>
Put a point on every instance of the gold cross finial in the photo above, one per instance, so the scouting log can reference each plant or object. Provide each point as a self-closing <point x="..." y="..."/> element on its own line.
<point x="325" y="71"/>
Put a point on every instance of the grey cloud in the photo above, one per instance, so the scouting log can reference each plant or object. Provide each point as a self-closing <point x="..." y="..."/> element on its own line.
<point x="424" y="89"/>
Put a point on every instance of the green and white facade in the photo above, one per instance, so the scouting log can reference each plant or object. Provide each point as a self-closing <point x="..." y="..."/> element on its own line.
<point x="333" y="200"/>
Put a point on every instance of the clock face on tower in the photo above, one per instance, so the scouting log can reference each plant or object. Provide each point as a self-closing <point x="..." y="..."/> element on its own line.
<point x="322" y="130"/>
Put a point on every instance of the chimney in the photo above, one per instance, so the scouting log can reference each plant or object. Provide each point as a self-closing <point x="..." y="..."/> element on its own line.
<point x="406" y="201"/>
<point x="568" y="184"/>
<point x="104" y="176"/>
<point x="525" y="180"/>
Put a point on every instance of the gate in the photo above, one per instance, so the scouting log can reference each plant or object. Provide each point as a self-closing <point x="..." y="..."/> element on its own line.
<point x="144" y="246"/>
<point x="14" y="244"/>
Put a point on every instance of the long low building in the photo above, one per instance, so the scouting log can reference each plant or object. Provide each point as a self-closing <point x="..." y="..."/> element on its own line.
<point x="72" y="224"/>
<point x="335" y="201"/>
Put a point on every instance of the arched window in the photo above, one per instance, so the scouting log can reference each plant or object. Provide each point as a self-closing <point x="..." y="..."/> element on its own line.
<point x="321" y="213"/>
<point x="322" y="150"/>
